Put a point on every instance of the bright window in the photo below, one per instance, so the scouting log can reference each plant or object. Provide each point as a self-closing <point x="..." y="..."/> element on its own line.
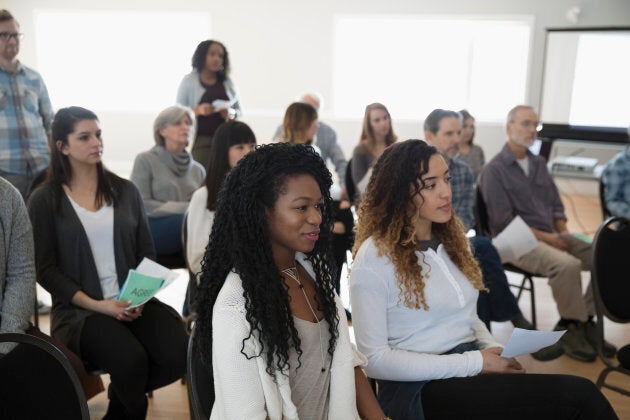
<point x="415" y="64"/>
<point x="116" y="60"/>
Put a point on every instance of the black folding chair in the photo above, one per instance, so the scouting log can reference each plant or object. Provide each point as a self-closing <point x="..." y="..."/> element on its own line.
<point x="610" y="266"/>
<point x="199" y="381"/>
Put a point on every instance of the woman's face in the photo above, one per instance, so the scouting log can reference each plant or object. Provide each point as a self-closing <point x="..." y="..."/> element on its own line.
<point x="214" y="58"/>
<point x="434" y="199"/>
<point x="177" y="134"/>
<point x="237" y="151"/>
<point x="468" y="129"/>
<point x="295" y="218"/>
<point x="85" y="145"/>
<point x="380" y="122"/>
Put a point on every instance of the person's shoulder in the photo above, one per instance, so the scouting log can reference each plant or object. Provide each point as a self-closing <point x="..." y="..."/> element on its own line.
<point x="8" y="191"/>
<point x="231" y="293"/>
<point x="368" y="250"/>
<point x="200" y="194"/>
<point x="325" y="129"/>
<point x="360" y="149"/>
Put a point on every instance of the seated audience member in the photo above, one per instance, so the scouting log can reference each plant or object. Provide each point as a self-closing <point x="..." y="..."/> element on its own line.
<point x="325" y="138"/>
<point x="616" y="179"/>
<point x="517" y="182"/>
<point x="211" y="93"/>
<point x="414" y="286"/>
<point x="269" y="319"/>
<point x="299" y="127"/>
<point x="442" y="129"/>
<point x="232" y="141"/>
<point x="467" y="151"/>
<point x="377" y="133"/>
<point x="90" y="229"/>
<point x="166" y="177"/>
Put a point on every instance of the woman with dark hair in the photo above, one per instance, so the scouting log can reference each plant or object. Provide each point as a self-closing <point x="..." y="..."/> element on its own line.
<point x="90" y="229"/>
<point x="269" y="319"/>
<point x="210" y="92"/>
<point x="166" y="176"/>
<point x="469" y="152"/>
<point x="414" y="286"/>
<point x="376" y="135"/>
<point x="232" y="141"/>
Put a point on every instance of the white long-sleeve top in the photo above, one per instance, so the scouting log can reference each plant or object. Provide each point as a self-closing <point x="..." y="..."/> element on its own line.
<point x="405" y="344"/>
<point x="243" y="388"/>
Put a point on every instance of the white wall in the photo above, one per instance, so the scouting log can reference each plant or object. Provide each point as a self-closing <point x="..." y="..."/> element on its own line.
<point x="280" y="48"/>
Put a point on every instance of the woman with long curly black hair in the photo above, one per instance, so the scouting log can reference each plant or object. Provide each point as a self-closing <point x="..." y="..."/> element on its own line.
<point x="414" y="286"/>
<point x="268" y="314"/>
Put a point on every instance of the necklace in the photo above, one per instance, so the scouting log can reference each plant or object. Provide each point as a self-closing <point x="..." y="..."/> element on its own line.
<point x="295" y="275"/>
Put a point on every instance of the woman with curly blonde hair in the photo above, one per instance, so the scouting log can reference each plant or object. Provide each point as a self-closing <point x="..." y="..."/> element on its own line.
<point x="413" y="288"/>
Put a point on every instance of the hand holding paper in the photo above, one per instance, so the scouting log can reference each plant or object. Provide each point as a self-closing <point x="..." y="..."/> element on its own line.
<point x="144" y="282"/>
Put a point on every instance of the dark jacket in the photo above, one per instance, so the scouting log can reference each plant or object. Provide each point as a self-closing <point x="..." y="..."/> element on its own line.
<point x="64" y="259"/>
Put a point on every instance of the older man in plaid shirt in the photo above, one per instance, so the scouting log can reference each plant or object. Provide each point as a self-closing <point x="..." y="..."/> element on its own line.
<point x="25" y="112"/>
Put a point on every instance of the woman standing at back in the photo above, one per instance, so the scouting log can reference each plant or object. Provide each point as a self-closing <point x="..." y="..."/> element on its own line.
<point x="210" y="92"/>
<point x="376" y="135"/>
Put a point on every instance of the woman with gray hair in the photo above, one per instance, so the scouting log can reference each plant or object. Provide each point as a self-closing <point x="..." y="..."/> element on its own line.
<point x="166" y="176"/>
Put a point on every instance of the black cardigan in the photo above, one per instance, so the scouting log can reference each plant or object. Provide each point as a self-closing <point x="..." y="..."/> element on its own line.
<point x="64" y="259"/>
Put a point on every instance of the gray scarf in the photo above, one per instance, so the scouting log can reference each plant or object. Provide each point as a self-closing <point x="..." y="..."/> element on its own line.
<point x="179" y="163"/>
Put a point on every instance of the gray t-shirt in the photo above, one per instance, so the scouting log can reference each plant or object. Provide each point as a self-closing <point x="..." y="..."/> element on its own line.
<point x="310" y="387"/>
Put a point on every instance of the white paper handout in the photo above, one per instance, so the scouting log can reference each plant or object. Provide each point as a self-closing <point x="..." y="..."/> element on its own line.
<point x="221" y="104"/>
<point x="153" y="269"/>
<point x="528" y="341"/>
<point x="515" y="240"/>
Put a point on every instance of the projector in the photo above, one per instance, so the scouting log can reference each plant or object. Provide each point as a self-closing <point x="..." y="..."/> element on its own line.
<point x="574" y="164"/>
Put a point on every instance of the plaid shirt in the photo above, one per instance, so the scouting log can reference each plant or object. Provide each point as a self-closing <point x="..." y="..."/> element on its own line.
<point x="25" y="118"/>
<point x="616" y="178"/>
<point x="463" y="190"/>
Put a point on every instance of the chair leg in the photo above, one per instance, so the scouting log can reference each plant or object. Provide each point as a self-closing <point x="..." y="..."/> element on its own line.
<point x="36" y="313"/>
<point x="532" y="299"/>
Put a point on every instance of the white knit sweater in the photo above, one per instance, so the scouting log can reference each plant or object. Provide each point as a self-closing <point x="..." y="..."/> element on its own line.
<point x="243" y="388"/>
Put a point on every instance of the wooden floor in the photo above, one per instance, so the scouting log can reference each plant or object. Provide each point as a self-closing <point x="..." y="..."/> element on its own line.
<point x="584" y="216"/>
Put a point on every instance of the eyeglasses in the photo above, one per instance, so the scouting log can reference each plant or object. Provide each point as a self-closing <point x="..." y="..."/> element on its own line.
<point x="5" y="36"/>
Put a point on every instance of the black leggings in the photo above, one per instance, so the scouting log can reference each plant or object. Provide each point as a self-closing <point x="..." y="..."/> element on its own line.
<point x="140" y="356"/>
<point x="510" y="396"/>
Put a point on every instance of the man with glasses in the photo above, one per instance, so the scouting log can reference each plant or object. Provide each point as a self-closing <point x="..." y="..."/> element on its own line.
<point x="25" y="115"/>
<point x="25" y="112"/>
<point x="517" y="182"/>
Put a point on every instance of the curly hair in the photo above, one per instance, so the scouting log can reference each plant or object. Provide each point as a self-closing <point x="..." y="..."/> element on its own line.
<point x="240" y="242"/>
<point x="387" y="215"/>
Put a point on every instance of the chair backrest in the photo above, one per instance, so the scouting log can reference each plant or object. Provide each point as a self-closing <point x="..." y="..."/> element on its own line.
<point x="610" y="266"/>
<point x="602" y="199"/>
<point x="351" y="189"/>
<point x="481" y="213"/>
<point x="199" y="381"/>
<point x="54" y="361"/>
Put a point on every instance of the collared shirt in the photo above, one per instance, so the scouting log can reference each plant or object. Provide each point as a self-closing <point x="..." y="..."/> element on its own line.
<point x="25" y="120"/>
<point x="508" y="192"/>
<point x="463" y="190"/>
<point x="616" y="178"/>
